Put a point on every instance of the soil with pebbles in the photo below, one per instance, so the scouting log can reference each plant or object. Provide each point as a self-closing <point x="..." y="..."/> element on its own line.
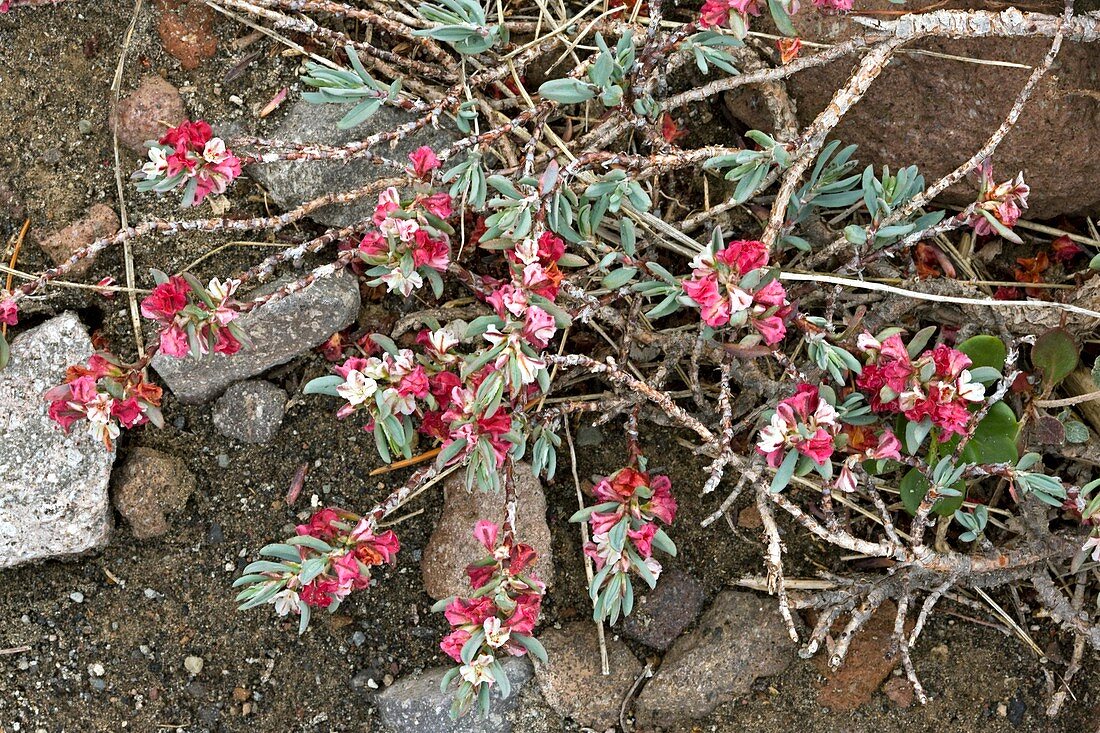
<point x="104" y="643"/>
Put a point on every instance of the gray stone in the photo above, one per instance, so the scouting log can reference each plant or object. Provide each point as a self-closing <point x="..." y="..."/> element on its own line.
<point x="416" y="705"/>
<point x="53" y="486"/>
<point x="291" y="183"/>
<point x="572" y="681"/>
<point x="660" y="615"/>
<point x="741" y="637"/>
<point x="250" y="411"/>
<point x="149" y="485"/>
<point x="279" y="332"/>
<point x="452" y="545"/>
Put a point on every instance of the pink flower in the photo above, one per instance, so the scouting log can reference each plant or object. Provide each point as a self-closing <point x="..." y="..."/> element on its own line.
<point x="9" y="311"/>
<point x="802" y="414"/>
<point x="389" y="201"/>
<point x="643" y="538"/>
<point x="166" y="299"/>
<point x="414" y="383"/>
<point x="320" y="525"/>
<point x="63" y="414"/>
<point x="473" y="611"/>
<point x="433" y="253"/>
<point x="174" y="342"/>
<point x="347" y="571"/>
<point x="662" y="504"/>
<point x="453" y="642"/>
<point x="128" y="412"/>
<point x="373" y="244"/>
<point x="744" y="255"/>
<point x="526" y="615"/>
<point x="83" y="389"/>
<point x="840" y="6"/>
<point x="424" y="161"/>
<point x="540" y="327"/>
<point x="602" y="522"/>
<point x="374" y="549"/>
<point x="485" y="532"/>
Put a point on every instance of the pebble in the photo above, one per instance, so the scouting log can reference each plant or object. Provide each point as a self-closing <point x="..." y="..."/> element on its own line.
<point x="661" y="614"/>
<point x="899" y="691"/>
<point x="186" y="31"/>
<point x="98" y="684"/>
<point x="865" y="667"/>
<point x="223" y="460"/>
<point x="193" y="665"/>
<point x="358" y="638"/>
<point x="146" y="113"/>
<point x="147" y="487"/>
<point x="250" y="411"/>
<point x="76" y="597"/>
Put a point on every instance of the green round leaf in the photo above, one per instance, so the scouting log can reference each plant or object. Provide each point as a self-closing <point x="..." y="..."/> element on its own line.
<point x="914" y="486"/>
<point x="985" y="351"/>
<point x="1055" y="352"/>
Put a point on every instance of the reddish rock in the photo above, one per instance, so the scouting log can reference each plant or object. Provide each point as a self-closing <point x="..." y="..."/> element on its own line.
<point x="899" y="691"/>
<point x="187" y="31"/>
<point x="147" y="112"/>
<point x="149" y="485"/>
<point x="100" y="221"/>
<point x="866" y="665"/>
<point x="936" y="112"/>
<point x="662" y="613"/>
<point x="749" y="518"/>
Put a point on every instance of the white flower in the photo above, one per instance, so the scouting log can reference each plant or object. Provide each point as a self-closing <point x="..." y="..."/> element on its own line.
<point x="496" y="635"/>
<point x="397" y="403"/>
<point x="104" y="431"/>
<point x="867" y="342"/>
<point x="527" y="251"/>
<point x="214" y="151"/>
<point x="219" y="291"/>
<point x="99" y="408"/>
<point x="357" y="388"/>
<point x="478" y="671"/>
<point x="396" y="280"/>
<point x="969" y="389"/>
<point x="285" y="602"/>
<point x="774" y="435"/>
<point x="157" y="164"/>
<point x="738" y="299"/>
<point x="1094" y="543"/>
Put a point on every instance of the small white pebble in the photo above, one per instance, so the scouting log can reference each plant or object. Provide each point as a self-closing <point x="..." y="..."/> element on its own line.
<point x="76" y="597"/>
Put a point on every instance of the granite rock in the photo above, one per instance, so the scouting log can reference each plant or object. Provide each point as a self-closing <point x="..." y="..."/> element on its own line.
<point x="250" y="411"/>
<point x="53" y="486"/>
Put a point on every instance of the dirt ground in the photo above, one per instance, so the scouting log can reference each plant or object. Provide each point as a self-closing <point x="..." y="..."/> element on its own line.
<point x="139" y="608"/>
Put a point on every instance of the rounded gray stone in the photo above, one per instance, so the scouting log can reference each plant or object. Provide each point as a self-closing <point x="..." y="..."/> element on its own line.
<point x="250" y="411"/>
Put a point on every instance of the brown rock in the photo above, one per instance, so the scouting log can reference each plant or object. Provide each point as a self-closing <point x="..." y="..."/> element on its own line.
<point x="147" y="112"/>
<point x="147" y="486"/>
<point x="661" y="614"/>
<point x="240" y="694"/>
<point x="572" y="682"/>
<point x="186" y="30"/>
<point x="936" y="112"/>
<point x="741" y="637"/>
<point x="452" y="545"/>
<point x="866" y="665"/>
<point x="899" y="691"/>
<point x="749" y="518"/>
<point x="100" y="221"/>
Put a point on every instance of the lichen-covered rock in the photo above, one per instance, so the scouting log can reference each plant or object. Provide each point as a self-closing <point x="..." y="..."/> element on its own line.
<point x="53" y="486"/>
<point x="147" y="112"/>
<point x="452" y="545"/>
<point x="148" y="486"/>
<point x="740" y="637"/>
<point x="250" y="411"/>
<point x="416" y="704"/>
<point x="572" y="681"/>
<point x="101" y="221"/>
<point x="279" y="332"/>
<point x="291" y="183"/>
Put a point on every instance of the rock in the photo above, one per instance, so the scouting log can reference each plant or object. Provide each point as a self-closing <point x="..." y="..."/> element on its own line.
<point x="147" y="112"/>
<point x="740" y="637"/>
<point x="866" y="665"/>
<point x="749" y="518"/>
<point x="193" y="665"/>
<point x="250" y="411"/>
<point x="186" y="31"/>
<point x="291" y="183"/>
<point x="665" y="611"/>
<point x="100" y="221"/>
<point x="452" y="545"/>
<point x="416" y="705"/>
<point x="53" y="486"/>
<point x="903" y="118"/>
<point x="572" y="682"/>
<point x="147" y="486"/>
<point x="279" y="332"/>
<point x="899" y="691"/>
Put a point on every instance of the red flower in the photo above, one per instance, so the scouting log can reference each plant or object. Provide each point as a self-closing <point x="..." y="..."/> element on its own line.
<point x="9" y="312"/>
<point x="128" y="412"/>
<point x="479" y="574"/>
<point x="643" y="538"/>
<point x="526" y="615"/>
<point x="226" y="343"/>
<point x="461" y="612"/>
<point x="316" y="593"/>
<point x="188" y="134"/>
<point x="453" y="642"/>
<point x="670" y="131"/>
<point x="1065" y="249"/>
<point x="320" y="524"/>
<point x="166" y="300"/>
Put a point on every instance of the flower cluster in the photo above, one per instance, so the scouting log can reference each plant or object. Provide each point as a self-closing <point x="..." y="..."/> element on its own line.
<point x="411" y="240"/>
<point x="731" y="285"/>
<point x="331" y="556"/>
<point x="194" y="319"/>
<point x="498" y="619"/>
<point x="189" y="156"/>
<point x="624" y="534"/>
<point x="805" y="422"/>
<point x="733" y="14"/>
<point x="936" y="386"/>
<point x="863" y="444"/>
<point x="999" y="205"/>
<point x="108" y="395"/>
